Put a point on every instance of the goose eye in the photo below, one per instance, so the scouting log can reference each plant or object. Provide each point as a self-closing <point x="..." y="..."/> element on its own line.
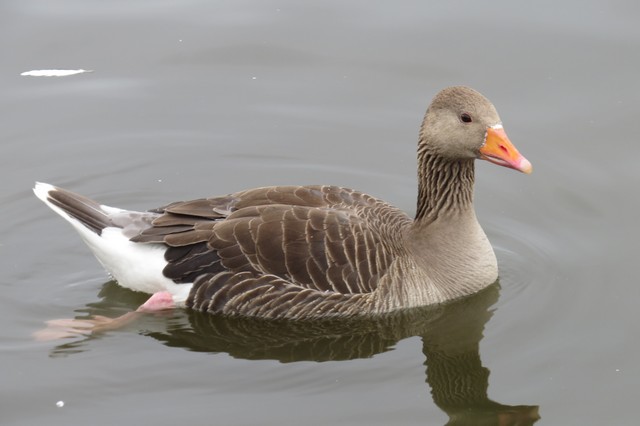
<point x="466" y="118"/>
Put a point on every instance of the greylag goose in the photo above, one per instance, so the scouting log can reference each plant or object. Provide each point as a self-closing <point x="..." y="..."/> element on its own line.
<point x="304" y="252"/>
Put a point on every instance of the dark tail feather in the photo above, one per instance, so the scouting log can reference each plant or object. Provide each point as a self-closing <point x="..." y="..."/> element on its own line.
<point x="87" y="211"/>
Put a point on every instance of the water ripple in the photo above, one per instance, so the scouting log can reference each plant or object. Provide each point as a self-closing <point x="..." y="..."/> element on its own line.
<point x="527" y="258"/>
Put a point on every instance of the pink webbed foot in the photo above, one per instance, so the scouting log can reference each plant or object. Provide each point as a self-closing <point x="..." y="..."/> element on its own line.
<point x="64" y="328"/>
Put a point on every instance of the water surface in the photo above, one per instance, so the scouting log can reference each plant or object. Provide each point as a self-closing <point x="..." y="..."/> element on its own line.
<point x="197" y="98"/>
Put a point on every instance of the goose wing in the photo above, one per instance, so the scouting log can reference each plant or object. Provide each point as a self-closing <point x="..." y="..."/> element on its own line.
<point x="321" y="238"/>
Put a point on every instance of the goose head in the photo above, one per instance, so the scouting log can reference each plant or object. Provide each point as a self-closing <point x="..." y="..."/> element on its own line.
<point x="461" y="123"/>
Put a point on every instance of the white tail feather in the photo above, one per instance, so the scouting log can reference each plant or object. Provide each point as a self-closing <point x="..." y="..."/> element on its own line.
<point x="135" y="266"/>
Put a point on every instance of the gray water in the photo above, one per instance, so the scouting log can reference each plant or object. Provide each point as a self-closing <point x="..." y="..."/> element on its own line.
<point x="197" y="98"/>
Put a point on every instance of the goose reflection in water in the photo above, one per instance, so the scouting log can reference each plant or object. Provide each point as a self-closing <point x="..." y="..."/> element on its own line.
<point x="450" y="333"/>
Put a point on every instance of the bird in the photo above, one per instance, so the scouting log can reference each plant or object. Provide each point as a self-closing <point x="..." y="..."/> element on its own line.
<point x="313" y="251"/>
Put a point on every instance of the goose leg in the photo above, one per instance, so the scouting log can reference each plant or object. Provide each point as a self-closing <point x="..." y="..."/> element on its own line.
<point x="64" y="328"/>
<point x="159" y="301"/>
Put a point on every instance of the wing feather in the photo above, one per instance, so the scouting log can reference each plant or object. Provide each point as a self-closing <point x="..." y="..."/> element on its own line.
<point x="271" y="249"/>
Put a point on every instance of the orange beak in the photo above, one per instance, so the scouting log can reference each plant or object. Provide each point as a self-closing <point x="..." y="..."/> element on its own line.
<point x="499" y="150"/>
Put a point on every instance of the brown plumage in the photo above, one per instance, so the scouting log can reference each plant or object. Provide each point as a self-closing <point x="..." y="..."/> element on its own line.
<point x="320" y="251"/>
<point x="313" y="246"/>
